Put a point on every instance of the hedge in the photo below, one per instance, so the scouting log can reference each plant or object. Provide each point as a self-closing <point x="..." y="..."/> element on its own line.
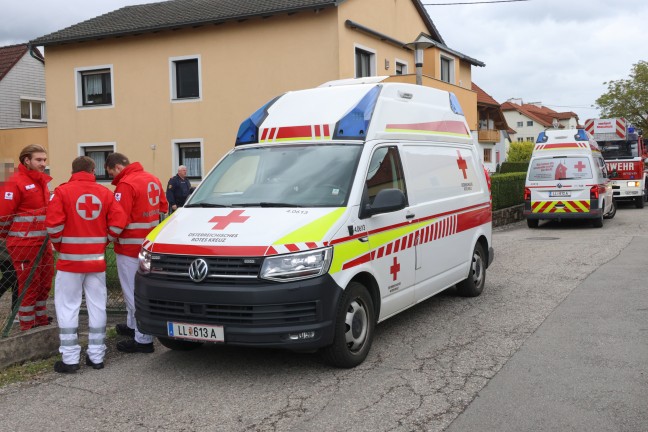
<point x="514" y="167"/>
<point x="507" y="189"/>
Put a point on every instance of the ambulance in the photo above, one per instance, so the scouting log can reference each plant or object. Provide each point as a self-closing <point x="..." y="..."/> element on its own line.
<point x="339" y="207"/>
<point x="567" y="179"/>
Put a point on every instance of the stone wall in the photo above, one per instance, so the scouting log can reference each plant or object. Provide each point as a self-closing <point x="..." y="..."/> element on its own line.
<point x="508" y="215"/>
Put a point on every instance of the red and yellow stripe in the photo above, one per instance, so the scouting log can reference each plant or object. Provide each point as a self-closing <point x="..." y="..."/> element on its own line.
<point x="580" y="206"/>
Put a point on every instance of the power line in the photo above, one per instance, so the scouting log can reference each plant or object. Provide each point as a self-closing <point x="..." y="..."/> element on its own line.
<point x="472" y="3"/>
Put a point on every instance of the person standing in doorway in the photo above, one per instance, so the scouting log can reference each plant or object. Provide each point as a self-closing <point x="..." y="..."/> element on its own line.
<point x="81" y="218"/>
<point x="178" y="189"/>
<point x="22" y="222"/>
<point x="142" y="197"/>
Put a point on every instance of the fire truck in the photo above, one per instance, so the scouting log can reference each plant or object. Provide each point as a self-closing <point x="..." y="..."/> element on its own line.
<point x="624" y="152"/>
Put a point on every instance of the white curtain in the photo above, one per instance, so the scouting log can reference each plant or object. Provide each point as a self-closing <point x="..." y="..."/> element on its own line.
<point x="93" y="84"/>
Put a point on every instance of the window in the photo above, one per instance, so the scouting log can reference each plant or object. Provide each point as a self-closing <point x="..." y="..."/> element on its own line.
<point x="94" y="86"/>
<point x="520" y="139"/>
<point x="447" y="70"/>
<point x="520" y="124"/>
<point x="32" y="110"/>
<point x="401" y="68"/>
<point x="531" y="139"/>
<point x="189" y="154"/>
<point x="530" y="123"/>
<point x="185" y="78"/>
<point x="385" y="172"/>
<point x="98" y="153"/>
<point x="488" y="155"/>
<point x="364" y="63"/>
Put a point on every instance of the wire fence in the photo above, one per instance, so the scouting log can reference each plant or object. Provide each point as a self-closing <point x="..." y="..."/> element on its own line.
<point x="41" y="265"/>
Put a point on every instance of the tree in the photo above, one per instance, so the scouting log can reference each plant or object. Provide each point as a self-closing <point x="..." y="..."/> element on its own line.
<point x="520" y="152"/>
<point x="628" y="98"/>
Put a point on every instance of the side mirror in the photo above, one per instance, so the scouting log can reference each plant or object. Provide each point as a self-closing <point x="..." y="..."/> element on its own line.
<point x="387" y="200"/>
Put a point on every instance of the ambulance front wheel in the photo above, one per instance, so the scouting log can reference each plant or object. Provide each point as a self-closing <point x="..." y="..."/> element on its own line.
<point x="178" y="344"/>
<point x="473" y="285"/>
<point x="353" y="328"/>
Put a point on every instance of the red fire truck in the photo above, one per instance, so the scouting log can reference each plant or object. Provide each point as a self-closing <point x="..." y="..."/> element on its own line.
<point x="624" y="153"/>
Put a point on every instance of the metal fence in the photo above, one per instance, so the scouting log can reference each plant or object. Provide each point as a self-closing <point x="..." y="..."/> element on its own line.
<point x="10" y="299"/>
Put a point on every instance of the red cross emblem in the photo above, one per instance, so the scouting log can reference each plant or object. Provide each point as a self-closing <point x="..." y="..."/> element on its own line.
<point x="463" y="166"/>
<point x="153" y="193"/>
<point x="580" y="166"/>
<point x="88" y="206"/>
<point x="223" y="221"/>
<point x="395" y="268"/>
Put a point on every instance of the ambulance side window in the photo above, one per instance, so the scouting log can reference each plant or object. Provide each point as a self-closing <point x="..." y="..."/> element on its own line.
<point x="385" y="172"/>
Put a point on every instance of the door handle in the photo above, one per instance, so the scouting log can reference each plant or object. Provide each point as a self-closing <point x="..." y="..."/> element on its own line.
<point x="410" y="216"/>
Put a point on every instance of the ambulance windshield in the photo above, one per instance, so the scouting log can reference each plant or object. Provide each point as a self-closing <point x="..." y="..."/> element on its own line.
<point x="281" y="176"/>
<point x="560" y="168"/>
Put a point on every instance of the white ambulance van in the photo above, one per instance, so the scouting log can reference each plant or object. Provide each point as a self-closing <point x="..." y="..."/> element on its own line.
<point x="339" y="207"/>
<point x="567" y="179"/>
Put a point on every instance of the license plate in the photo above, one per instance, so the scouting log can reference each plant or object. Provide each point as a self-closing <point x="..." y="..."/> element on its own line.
<point x="559" y="193"/>
<point x="196" y="332"/>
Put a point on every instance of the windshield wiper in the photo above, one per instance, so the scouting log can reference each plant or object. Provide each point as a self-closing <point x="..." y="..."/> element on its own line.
<point x="205" y="204"/>
<point x="266" y="204"/>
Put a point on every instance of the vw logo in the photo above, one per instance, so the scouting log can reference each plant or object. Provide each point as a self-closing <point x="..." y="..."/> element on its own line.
<point x="559" y="185"/>
<point x="198" y="270"/>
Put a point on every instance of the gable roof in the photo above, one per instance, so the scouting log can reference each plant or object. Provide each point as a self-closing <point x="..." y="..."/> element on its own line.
<point x="10" y="55"/>
<point x="483" y="97"/>
<point x="175" y="14"/>
<point x="540" y="114"/>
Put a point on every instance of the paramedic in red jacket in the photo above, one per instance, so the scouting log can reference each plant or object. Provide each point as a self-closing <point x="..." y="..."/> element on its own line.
<point x="82" y="217"/>
<point x="143" y="199"/>
<point x="22" y="222"/>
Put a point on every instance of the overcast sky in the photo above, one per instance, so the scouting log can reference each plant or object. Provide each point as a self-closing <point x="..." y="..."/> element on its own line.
<point x="558" y="52"/>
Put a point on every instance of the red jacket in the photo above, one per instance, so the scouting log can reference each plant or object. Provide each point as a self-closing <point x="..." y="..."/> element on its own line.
<point x="143" y="199"/>
<point x="22" y="207"/>
<point x="82" y="216"/>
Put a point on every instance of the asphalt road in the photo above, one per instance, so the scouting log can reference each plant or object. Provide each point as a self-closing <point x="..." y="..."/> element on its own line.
<point x="493" y="363"/>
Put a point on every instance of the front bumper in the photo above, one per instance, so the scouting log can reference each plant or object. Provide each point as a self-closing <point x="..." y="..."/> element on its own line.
<point x="261" y="314"/>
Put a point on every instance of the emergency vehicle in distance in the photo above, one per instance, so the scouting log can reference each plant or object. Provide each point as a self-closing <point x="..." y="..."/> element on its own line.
<point x="624" y="152"/>
<point x="567" y="179"/>
<point x="339" y="207"/>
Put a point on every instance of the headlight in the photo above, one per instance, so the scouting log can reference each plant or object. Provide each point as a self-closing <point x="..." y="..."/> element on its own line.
<point x="633" y="184"/>
<point x="302" y="265"/>
<point x="144" y="261"/>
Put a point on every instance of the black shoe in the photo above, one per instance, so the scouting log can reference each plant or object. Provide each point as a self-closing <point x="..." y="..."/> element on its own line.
<point x="130" y="346"/>
<point x="94" y="365"/>
<point x="61" y="367"/>
<point x="124" y="330"/>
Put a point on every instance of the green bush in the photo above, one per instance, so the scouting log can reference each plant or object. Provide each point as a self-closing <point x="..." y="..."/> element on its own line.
<point x="520" y="152"/>
<point x="514" y="167"/>
<point x="507" y="189"/>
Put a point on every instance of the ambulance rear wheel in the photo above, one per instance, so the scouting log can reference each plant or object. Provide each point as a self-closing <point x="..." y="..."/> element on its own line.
<point x="533" y="223"/>
<point x="353" y="328"/>
<point x="612" y="211"/>
<point x="473" y="285"/>
<point x="179" y="345"/>
<point x="598" y="222"/>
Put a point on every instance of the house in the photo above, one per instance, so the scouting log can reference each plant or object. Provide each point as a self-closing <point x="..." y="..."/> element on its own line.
<point x="492" y="133"/>
<point x="23" y="118"/>
<point x="169" y="83"/>
<point x="529" y="119"/>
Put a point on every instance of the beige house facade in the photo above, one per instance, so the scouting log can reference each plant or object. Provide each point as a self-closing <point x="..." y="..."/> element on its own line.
<point x="175" y="92"/>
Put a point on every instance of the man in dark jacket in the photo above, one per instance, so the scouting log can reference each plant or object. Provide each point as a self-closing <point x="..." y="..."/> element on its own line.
<point x="178" y="189"/>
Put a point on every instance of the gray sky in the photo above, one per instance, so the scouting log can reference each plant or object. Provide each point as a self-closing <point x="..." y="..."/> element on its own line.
<point x="558" y="52"/>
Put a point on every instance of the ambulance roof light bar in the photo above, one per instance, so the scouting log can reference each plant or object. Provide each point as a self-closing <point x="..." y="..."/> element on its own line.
<point x="355" y="123"/>
<point x="248" y="132"/>
<point x="581" y="135"/>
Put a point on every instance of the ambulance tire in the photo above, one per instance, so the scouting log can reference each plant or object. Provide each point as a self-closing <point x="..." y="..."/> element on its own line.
<point x="473" y="285"/>
<point x="598" y="222"/>
<point x="179" y="345"/>
<point x="353" y="330"/>
<point x="533" y="223"/>
<point x="612" y="211"/>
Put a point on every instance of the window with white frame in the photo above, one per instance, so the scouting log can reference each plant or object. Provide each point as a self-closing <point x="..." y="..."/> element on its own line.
<point x="520" y="124"/>
<point x="98" y="153"/>
<point x="531" y="139"/>
<point x="530" y="123"/>
<point x="488" y="155"/>
<point x="189" y="154"/>
<point x="520" y="139"/>
<point x="365" y="63"/>
<point x="447" y="69"/>
<point x="32" y="110"/>
<point x="185" y="78"/>
<point x="94" y="86"/>
<point x="401" y="68"/>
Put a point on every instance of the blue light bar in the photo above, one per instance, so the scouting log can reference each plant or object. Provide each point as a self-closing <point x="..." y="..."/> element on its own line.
<point x="542" y="137"/>
<point x="455" y="105"/>
<point x="248" y="132"/>
<point x="354" y="124"/>
<point x="581" y="135"/>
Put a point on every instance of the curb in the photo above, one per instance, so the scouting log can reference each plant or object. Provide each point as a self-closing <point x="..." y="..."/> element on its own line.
<point x="34" y="344"/>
